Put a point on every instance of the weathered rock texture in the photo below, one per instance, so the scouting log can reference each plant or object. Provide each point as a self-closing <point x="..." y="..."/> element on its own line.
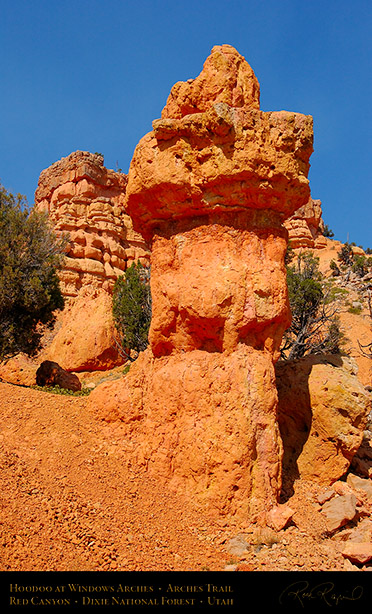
<point x="339" y="511"/>
<point x="85" y="331"/>
<point x="20" y="370"/>
<point x="323" y="410"/>
<point x="85" y="200"/>
<point x="210" y="187"/>
<point x="306" y="226"/>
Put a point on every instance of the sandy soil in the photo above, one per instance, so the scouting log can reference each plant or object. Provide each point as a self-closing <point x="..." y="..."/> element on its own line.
<point x="68" y="503"/>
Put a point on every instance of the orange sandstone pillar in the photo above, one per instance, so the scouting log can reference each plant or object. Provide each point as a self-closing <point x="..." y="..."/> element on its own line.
<point x="209" y="188"/>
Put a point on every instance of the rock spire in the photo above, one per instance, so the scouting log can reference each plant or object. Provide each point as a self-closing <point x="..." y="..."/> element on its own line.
<point x="209" y="188"/>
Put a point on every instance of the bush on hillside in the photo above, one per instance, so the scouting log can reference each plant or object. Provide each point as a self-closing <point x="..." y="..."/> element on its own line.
<point x="367" y="348"/>
<point x="345" y="255"/>
<point x="327" y="232"/>
<point x="289" y="254"/>
<point x="132" y="310"/>
<point x="361" y="265"/>
<point x="334" y="268"/>
<point x="30" y="254"/>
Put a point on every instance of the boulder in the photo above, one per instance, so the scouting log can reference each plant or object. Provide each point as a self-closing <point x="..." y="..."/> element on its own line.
<point x="339" y="511"/>
<point x="279" y="516"/>
<point x="208" y="189"/>
<point x="361" y="484"/>
<point x="362" y="461"/>
<point x="362" y="533"/>
<point x="19" y="370"/>
<point x="51" y="374"/>
<point x="360" y="552"/>
<point x="237" y="545"/>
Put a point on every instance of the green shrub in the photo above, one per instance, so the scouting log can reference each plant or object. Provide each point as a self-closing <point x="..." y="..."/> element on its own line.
<point x="132" y="309"/>
<point x="289" y="254"/>
<point x="333" y="293"/>
<point x="64" y="391"/>
<point x="359" y="266"/>
<point x="334" y="268"/>
<point x="327" y="232"/>
<point x="345" y="255"/>
<point x="355" y="310"/>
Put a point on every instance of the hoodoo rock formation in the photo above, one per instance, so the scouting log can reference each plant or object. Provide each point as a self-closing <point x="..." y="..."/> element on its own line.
<point x="305" y="227"/>
<point x="210" y="187"/>
<point x="85" y="200"/>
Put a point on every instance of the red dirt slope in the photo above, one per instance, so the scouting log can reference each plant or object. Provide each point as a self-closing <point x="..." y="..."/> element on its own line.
<point x="68" y="503"/>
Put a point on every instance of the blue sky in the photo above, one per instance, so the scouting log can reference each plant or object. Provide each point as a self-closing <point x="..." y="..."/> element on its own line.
<point x="93" y="74"/>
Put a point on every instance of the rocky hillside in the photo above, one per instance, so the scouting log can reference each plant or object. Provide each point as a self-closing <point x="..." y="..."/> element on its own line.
<point x="349" y="293"/>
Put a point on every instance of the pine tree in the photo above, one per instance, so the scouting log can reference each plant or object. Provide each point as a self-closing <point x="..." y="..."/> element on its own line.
<point x="345" y="255"/>
<point x="327" y="232"/>
<point x="315" y="327"/>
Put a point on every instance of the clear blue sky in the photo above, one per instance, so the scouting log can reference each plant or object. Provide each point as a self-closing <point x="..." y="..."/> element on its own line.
<point x="93" y="74"/>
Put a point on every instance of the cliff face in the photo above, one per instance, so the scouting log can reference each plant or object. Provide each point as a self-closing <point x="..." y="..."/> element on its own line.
<point x="85" y="200"/>
<point x="209" y="187"/>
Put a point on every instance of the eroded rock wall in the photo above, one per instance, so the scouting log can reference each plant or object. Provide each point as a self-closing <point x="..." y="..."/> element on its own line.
<point x="86" y="201"/>
<point x="209" y="187"/>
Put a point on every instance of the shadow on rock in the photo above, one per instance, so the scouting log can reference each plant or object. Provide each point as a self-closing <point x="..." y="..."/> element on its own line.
<point x="322" y="413"/>
<point x="294" y="418"/>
